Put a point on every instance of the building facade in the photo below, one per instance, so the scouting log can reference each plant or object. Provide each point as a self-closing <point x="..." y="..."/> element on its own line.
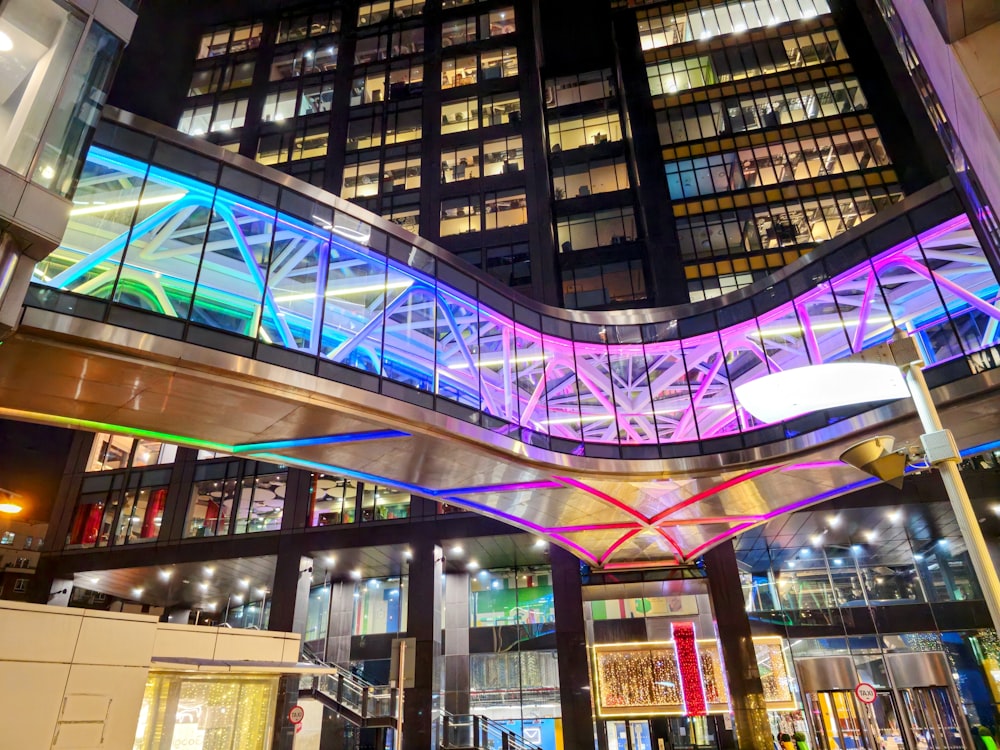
<point x="477" y="127"/>
<point x="613" y="156"/>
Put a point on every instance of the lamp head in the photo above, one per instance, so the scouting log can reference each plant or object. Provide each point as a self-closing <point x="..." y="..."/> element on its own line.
<point x="875" y="456"/>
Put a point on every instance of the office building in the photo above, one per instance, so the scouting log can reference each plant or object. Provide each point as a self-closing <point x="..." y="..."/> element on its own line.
<point x="296" y="407"/>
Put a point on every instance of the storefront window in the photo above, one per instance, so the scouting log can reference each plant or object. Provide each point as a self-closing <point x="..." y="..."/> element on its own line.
<point x="119" y="452"/>
<point x="222" y="713"/>
<point x="106" y="515"/>
<point x="254" y="490"/>
<point x="511" y="597"/>
<point x="383" y="503"/>
<point x="380" y="606"/>
<point x="334" y="500"/>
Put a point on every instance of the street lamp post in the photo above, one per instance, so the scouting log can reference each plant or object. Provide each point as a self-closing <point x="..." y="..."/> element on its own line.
<point x="942" y="452"/>
<point x="892" y="370"/>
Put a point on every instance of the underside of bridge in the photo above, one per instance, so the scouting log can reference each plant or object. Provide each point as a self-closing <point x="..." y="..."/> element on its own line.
<point x="67" y="371"/>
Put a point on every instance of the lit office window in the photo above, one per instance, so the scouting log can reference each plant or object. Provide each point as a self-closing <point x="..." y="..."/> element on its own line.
<point x="318" y="23"/>
<point x="501" y="109"/>
<point x="590" y="178"/>
<point x="608" y="227"/>
<point x="230" y="40"/>
<point x="590" y="130"/>
<point x="497" y="23"/>
<point x="503" y="156"/>
<point x="459" y="115"/>
<point x="460" y="215"/>
<point x="662" y="28"/>
<point x="360" y="179"/>
<point x="505" y="209"/>
<point x="585" y="87"/>
<point x="460" y="164"/>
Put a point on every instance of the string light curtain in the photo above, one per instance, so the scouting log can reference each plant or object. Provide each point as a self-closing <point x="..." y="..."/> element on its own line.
<point x="689" y="666"/>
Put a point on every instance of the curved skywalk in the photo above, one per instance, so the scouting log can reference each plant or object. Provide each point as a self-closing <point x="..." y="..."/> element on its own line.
<point x="610" y="433"/>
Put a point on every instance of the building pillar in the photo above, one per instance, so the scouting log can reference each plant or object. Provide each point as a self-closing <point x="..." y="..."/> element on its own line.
<point x="289" y="593"/>
<point x="340" y="625"/>
<point x="15" y="275"/>
<point x="424" y="626"/>
<point x="571" y="649"/>
<point x="457" y="682"/>
<point x="746" y="693"/>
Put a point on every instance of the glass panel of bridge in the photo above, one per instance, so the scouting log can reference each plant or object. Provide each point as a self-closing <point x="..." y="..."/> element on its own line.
<point x="668" y="383"/>
<point x="496" y="362"/>
<point x="778" y="343"/>
<point x="825" y="337"/>
<point x="561" y="389"/>
<point x="355" y="299"/>
<point x="630" y="390"/>
<point x="530" y="365"/>
<point x="860" y="307"/>
<point x="457" y="344"/>
<point x="712" y="398"/>
<point x="409" y="327"/>
<point x="915" y="287"/>
<point x="231" y="282"/>
<point x="294" y="304"/>
<point x="745" y="360"/>
<point x="104" y="208"/>
<point x="598" y="418"/>
<point x="164" y="252"/>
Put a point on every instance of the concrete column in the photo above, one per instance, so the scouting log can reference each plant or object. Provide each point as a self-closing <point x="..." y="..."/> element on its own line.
<point x="571" y="645"/>
<point x="15" y="275"/>
<point x="746" y="693"/>
<point x="456" y="643"/>
<point x="420" y="702"/>
<point x="289" y="595"/>
<point x="340" y="624"/>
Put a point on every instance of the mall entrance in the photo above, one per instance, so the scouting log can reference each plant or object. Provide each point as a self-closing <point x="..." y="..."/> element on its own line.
<point x="662" y="733"/>
<point x="916" y="710"/>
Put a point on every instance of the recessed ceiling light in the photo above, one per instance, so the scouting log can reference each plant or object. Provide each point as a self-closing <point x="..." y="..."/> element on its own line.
<point x="330" y="561"/>
<point x="356" y="574"/>
<point x="165" y="574"/>
<point x="6" y="43"/>
<point x="473" y="565"/>
<point x="456" y="550"/>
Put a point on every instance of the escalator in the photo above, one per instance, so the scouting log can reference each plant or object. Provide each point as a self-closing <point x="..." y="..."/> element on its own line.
<point x="369" y="706"/>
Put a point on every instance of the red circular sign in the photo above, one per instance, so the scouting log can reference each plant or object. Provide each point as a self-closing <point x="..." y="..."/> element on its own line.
<point x="296" y="714"/>
<point x="865" y="692"/>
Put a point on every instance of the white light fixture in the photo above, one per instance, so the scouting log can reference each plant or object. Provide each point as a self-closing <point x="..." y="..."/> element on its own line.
<point x="356" y="574"/>
<point x="245" y="583"/>
<point x="800" y="390"/>
<point x="6" y="43"/>
<point x="541" y="544"/>
<point x="473" y="565"/>
<point x="895" y="516"/>
<point x="456" y="550"/>
<point x="209" y="571"/>
<point x="330" y="561"/>
<point x="47" y="171"/>
<point x="834" y="521"/>
<point x="165" y="574"/>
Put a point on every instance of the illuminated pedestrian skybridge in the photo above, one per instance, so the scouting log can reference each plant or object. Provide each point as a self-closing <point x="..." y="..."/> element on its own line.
<point x="207" y="247"/>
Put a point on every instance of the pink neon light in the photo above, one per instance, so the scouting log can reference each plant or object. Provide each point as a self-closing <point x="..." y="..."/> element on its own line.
<point x="712" y="491"/>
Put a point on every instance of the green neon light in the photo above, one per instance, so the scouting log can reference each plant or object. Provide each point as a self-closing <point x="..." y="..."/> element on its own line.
<point x="88" y="424"/>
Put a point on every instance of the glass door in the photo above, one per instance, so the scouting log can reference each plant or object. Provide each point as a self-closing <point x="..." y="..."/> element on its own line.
<point x="933" y="718"/>
<point x="628" y="735"/>
<point x="836" y="721"/>
<point x="887" y="724"/>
